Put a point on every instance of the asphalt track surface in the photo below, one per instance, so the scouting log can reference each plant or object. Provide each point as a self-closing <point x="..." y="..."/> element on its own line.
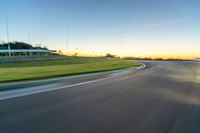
<point x="162" y="98"/>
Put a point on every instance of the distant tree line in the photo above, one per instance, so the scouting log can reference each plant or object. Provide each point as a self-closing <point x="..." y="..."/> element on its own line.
<point x="156" y="59"/>
<point x="21" y="45"/>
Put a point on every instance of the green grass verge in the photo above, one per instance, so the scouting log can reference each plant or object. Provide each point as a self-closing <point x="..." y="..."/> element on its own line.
<point x="53" y="68"/>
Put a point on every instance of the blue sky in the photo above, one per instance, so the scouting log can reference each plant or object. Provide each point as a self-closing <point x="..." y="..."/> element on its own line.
<point x="166" y="28"/>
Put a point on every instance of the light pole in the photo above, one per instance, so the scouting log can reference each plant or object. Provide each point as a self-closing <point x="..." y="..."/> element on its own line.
<point x="8" y="39"/>
<point x="67" y="41"/>
<point x="29" y="37"/>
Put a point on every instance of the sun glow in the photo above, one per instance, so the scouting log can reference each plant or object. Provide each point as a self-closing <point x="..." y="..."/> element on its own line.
<point x="136" y="55"/>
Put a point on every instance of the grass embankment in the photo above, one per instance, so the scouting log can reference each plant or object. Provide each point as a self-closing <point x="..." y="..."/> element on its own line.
<point x="52" y="68"/>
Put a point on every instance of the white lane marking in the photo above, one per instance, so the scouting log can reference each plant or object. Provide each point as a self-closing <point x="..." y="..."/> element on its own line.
<point x="141" y="67"/>
<point x="39" y="89"/>
<point x="34" y="90"/>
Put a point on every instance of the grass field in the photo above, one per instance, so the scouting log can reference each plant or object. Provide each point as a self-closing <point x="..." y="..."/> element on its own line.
<point x="53" y="68"/>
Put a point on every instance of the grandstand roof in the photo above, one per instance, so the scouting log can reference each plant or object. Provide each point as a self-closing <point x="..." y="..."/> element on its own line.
<point x="27" y="50"/>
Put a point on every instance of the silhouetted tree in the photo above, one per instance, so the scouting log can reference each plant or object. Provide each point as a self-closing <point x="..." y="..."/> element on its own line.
<point x="110" y="56"/>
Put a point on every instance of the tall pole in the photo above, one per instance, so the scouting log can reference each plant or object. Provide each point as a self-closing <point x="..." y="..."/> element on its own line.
<point x="29" y="41"/>
<point x="67" y="41"/>
<point x="29" y="37"/>
<point x="8" y="39"/>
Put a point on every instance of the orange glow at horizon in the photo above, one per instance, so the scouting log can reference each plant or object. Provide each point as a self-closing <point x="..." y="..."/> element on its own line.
<point x="144" y="48"/>
<point x="152" y="56"/>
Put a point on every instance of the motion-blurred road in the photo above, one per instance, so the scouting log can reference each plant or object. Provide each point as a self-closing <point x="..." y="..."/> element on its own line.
<point x="162" y="98"/>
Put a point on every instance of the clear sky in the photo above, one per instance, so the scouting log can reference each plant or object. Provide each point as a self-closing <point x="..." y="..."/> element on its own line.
<point x="152" y="28"/>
